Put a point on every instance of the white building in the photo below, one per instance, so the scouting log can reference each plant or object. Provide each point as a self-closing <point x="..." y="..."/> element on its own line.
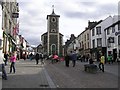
<point x="105" y="38"/>
<point x="112" y="37"/>
<point x="98" y="44"/>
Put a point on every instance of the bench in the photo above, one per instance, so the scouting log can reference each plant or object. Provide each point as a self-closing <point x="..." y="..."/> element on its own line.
<point x="91" y="68"/>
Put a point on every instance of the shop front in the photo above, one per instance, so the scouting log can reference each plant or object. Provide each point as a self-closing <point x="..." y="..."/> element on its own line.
<point x="96" y="53"/>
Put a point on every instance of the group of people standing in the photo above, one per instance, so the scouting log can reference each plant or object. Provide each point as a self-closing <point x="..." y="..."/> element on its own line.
<point x="71" y="56"/>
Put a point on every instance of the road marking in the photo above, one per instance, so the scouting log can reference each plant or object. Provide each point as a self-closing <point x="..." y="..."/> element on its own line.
<point x="50" y="82"/>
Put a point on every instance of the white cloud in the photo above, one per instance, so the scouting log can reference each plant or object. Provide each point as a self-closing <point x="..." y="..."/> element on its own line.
<point x="74" y="16"/>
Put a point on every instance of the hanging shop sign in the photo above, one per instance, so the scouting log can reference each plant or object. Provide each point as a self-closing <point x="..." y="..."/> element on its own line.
<point x="117" y="33"/>
<point x="15" y="15"/>
<point x="111" y="39"/>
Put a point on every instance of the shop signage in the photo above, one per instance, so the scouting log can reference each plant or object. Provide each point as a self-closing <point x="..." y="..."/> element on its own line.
<point x="111" y="39"/>
<point x="15" y="15"/>
<point x="117" y="33"/>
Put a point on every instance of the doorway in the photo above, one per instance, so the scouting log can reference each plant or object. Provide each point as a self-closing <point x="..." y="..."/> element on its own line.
<point x="114" y="54"/>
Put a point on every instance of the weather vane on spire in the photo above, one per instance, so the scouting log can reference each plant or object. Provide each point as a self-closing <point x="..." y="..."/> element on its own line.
<point x="52" y="9"/>
<point x="53" y="6"/>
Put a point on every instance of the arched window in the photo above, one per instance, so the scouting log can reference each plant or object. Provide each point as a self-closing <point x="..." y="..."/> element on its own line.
<point x="53" y="48"/>
<point x="53" y="30"/>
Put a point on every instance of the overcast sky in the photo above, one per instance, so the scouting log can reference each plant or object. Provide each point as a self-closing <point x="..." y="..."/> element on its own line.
<point x="74" y="16"/>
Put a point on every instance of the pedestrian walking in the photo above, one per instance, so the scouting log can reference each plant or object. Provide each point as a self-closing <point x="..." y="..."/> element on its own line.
<point x="67" y="59"/>
<point x="2" y="67"/>
<point x="101" y="64"/>
<point x="74" y="58"/>
<point x="42" y="58"/>
<point x="13" y="60"/>
<point x="25" y="56"/>
<point x="6" y="58"/>
<point x="18" y="56"/>
<point x="55" y="58"/>
<point x="37" y="58"/>
<point x="118" y="60"/>
<point x="50" y="57"/>
<point x="109" y="58"/>
<point x="31" y="56"/>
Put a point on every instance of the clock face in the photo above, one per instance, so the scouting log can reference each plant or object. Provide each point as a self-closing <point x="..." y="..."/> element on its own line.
<point x="53" y="19"/>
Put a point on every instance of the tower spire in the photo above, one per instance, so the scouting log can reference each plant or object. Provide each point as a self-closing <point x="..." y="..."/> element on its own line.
<point x="53" y="9"/>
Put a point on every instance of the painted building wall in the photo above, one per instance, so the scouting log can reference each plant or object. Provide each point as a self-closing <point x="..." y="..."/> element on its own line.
<point x="104" y="24"/>
<point x="111" y="32"/>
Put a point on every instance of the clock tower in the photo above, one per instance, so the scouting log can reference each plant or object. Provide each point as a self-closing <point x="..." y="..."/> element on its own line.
<point x="54" y="40"/>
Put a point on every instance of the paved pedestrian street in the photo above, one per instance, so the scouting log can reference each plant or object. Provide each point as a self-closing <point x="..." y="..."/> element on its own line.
<point x="30" y="75"/>
<point x="76" y="77"/>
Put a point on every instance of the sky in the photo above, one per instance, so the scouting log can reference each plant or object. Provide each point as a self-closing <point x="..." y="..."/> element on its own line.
<point x="74" y="16"/>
